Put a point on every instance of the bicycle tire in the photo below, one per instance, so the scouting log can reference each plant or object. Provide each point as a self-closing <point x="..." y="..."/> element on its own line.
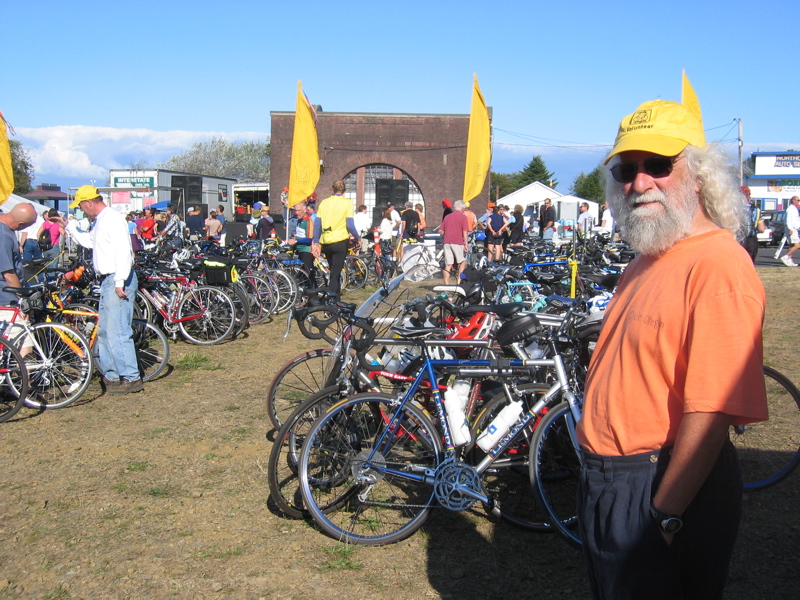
<point x="60" y="365"/>
<point x="241" y="303"/>
<point x="356" y="273"/>
<point x="14" y="381"/>
<point x="372" y="507"/>
<point x="295" y="381"/>
<point x="142" y="309"/>
<point x="769" y="451"/>
<point x="263" y="294"/>
<point x="554" y="465"/>
<point x="284" y="456"/>
<point x="507" y="480"/>
<point x="152" y="349"/>
<point x="213" y="316"/>
<point x="288" y="289"/>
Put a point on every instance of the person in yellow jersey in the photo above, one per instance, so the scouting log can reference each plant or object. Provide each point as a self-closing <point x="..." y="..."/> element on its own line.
<point x="331" y="235"/>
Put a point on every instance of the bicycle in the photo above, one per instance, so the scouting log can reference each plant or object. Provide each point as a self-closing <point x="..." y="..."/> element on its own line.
<point x="374" y="465"/>
<point x="59" y="360"/>
<point x="420" y="262"/>
<point x="204" y="315"/>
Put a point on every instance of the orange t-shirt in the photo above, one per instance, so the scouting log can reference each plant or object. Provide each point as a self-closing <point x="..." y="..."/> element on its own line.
<point x="471" y="219"/>
<point x="682" y="334"/>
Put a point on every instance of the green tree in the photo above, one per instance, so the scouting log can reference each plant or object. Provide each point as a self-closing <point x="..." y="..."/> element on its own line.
<point x="589" y="186"/>
<point x="22" y="168"/>
<point x="505" y="182"/>
<point x="242" y="161"/>
<point x="534" y="171"/>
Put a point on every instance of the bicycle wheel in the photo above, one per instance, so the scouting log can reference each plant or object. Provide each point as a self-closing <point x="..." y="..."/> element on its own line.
<point x="60" y="365"/>
<point x="287" y="286"/>
<point x="284" y="457"/>
<point x="241" y="304"/>
<point x="555" y="465"/>
<point x="297" y="380"/>
<point x="356" y="273"/>
<point x="152" y="349"/>
<point x="14" y="383"/>
<point x="507" y="480"/>
<point x="263" y="297"/>
<point x="770" y="451"/>
<point x="142" y="309"/>
<point x="206" y="315"/>
<point x="373" y="503"/>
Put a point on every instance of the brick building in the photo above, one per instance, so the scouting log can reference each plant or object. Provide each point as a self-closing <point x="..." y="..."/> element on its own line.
<point x="375" y="153"/>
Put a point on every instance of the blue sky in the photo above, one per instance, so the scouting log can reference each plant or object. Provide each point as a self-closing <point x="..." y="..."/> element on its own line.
<point x="90" y="85"/>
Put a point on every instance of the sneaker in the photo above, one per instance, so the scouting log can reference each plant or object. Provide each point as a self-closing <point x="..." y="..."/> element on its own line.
<point x="787" y="260"/>
<point x="127" y="387"/>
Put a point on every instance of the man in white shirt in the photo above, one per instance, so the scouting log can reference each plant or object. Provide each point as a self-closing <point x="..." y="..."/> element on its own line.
<point x="792" y="234"/>
<point x="585" y="220"/>
<point x="112" y="257"/>
<point x="607" y="221"/>
<point x="363" y="222"/>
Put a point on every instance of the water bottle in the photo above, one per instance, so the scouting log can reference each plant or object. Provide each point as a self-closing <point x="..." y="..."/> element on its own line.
<point x="455" y="404"/>
<point x="500" y="425"/>
<point x="159" y="297"/>
<point x="533" y="351"/>
<point x="173" y="297"/>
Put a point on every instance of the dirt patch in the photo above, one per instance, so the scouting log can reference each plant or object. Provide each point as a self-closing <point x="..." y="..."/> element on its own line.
<point x="163" y="494"/>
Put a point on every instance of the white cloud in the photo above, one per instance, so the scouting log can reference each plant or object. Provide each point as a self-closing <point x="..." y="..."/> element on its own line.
<point x="79" y="151"/>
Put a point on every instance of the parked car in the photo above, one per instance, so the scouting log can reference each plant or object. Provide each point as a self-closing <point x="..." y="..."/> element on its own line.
<point x="776" y="223"/>
<point x="764" y="237"/>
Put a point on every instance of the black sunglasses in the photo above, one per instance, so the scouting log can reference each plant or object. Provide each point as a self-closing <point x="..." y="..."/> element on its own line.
<point x="655" y="166"/>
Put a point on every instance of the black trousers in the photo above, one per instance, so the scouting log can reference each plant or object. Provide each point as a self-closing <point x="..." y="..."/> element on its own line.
<point x="335" y="254"/>
<point x="624" y="550"/>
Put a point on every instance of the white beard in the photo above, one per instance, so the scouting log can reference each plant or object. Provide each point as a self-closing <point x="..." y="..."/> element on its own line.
<point x="652" y="230"/>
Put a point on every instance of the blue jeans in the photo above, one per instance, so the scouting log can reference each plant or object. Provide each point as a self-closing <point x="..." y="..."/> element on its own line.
<point x="116" y="352"/>
<point x="31" y="250"/>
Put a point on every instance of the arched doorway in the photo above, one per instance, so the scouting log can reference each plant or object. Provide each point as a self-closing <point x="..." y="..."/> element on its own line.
<point x="362" y="187"/>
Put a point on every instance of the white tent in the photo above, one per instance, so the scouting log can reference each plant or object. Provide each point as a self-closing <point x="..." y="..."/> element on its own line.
<point x="13" y="200"/>
<point x="532" y="194"/>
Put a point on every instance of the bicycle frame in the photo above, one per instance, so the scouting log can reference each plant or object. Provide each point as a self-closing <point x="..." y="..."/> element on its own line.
<point x="167" y="311"/>
<point x="25" y="325"/>
<point x="471" y="368"/>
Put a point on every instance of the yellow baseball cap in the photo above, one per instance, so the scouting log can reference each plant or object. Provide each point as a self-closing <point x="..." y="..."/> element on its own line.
<point x="85" y="192"/>
<point x="661" y="127"/>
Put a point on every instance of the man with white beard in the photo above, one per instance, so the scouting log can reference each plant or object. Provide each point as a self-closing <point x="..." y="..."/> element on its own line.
<point x="678" y="361"/>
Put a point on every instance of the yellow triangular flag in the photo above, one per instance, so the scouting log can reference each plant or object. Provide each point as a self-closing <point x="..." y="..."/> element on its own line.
<point x="479" y="145"/>
<point x="304" y="165"/>
<point x="6" y="168"/>
<point x="689" y="98"/>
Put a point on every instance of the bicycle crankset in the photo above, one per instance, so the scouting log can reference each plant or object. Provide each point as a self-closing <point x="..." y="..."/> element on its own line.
<point x="457" y="486"/>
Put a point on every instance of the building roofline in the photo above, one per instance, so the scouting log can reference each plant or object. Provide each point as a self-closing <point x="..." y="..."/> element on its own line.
<point x="170" y="171"/>
<point x="787" y="153"/>
<point x="382" y="115"/>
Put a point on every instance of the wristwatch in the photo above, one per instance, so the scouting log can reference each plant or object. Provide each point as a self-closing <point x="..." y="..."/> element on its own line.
<point x="666" y="523"/>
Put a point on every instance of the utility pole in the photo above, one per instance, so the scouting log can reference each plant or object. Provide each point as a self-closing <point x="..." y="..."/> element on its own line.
<point x="741" y="149"/>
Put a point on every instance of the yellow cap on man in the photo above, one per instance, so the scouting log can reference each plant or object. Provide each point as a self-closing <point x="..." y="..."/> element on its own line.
<point x="661" y="127"/>
<point x="85" y="192"/>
